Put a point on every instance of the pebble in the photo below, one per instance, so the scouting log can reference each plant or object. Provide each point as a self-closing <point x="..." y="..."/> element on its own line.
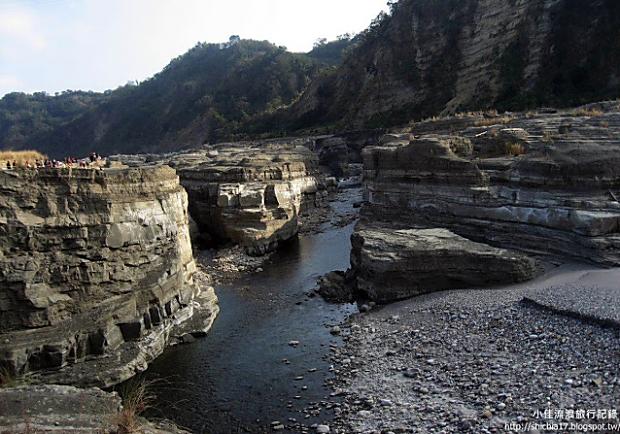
<point x="322" y="429"/>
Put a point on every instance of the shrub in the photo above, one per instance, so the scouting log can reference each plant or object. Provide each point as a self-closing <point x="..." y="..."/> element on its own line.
<point x="486" y="122"/>
<point x="588" y="112"/>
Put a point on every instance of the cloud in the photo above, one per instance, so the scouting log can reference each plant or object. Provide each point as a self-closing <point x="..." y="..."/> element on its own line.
<point x="22" y="28"/>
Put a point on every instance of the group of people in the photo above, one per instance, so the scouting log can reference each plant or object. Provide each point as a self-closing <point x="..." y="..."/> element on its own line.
<point x="88" y="162"/>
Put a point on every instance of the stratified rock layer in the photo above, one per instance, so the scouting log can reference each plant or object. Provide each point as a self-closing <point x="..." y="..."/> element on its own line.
<point x="252" y="196"/>
<point x="65" y="409"/>
<point x="394" y="264"/>
<point x="545" y="183"/>
<point x="45" y="409"/>
<point x="249" y="193"/>
<point x="430" y="57"/>
<point x="95" y="271"/>
<point x="540" y="182"/>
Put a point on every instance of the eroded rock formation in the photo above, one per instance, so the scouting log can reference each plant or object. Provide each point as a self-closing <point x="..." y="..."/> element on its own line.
<point x="543" y="183"/>
<point x="66" y="409"/>
<point x="96" y="271"/>
<point x="250" y="194"/>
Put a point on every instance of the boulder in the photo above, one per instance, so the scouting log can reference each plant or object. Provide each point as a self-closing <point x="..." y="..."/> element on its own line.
<point x="392" y="264"/>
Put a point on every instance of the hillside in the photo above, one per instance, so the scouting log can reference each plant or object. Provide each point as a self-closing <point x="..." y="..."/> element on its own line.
<point x="430" y="57"/>
<point x="201" y="96"/>
<point x="427" y="57"/>
<point x="23" y="116"/>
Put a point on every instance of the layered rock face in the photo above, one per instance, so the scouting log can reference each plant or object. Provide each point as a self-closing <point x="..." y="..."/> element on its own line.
<point x="249" y="193"/>
<point x="252" y="196"/>
<point x="543" y="183"/>
<point x="431" y="57"/>
<point x="96" y="270"/>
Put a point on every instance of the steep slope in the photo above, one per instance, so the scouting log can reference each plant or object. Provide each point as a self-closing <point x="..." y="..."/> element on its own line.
<point x="431" y="56"/>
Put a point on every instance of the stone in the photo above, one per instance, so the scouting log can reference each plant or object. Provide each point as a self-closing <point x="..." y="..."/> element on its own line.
<point x="395" y="264"/>
<point x="323" y="429"/>
<point x="96" y="271"/>
<point x="251" y="194"/>
<point x="51" y="408"/>
<point x="524" y="186"/>
<point x="335" y="288"/>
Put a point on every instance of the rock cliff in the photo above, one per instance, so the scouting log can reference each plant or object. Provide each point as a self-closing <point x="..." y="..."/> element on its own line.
<point x="545" y="183"/>
<point x="96" y="271"/>
<point x="249" y="193"/>
<point x="430" y="57"/>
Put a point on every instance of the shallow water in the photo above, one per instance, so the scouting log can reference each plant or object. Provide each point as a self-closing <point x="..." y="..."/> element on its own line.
<point x="234" y="380"/>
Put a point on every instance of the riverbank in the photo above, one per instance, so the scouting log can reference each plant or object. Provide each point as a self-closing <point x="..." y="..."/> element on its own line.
<point x="477" y="361"/>
<point x="264" y="366"/>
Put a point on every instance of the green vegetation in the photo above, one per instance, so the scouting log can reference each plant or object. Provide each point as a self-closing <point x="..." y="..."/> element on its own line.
<point x="205" y="95"/>
<point x="23" y="117"/>
<point x="405" y="66"/>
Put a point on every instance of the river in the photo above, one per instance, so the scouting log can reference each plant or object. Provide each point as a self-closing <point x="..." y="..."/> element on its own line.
<point x="236" y="379"/>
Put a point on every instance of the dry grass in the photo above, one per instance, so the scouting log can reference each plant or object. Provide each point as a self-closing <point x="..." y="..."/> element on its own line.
<point x="588" y="112"/>
<point x="487" y="122"/>
<point x="21" y="156"/>
<point x="136" y="400"/>
<point x="515" y="149"/>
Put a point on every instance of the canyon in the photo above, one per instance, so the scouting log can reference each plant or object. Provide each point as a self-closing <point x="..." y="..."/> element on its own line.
<point x="99" y="263"/>
<point x="413" y="229"/>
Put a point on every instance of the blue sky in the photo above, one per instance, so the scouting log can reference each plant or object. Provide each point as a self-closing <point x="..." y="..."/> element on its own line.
<point x="54" y="45"/>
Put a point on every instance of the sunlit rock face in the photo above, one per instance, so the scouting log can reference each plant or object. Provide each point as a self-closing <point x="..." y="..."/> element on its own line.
<point x="545" y="183"/>
<point x="94" y="265"/>
<point x="251" y="195"/>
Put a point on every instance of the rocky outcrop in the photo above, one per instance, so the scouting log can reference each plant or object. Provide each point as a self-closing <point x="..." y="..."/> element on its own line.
<point x="544" y="183"/>
<point x="430" y="57"/>
<point x="65" y="409"/>
<point x="96" y="271"/>
<point x="395" y="264"/>
<point x="44" y="409"/>
<point x="539" y="182"/>
<point x="249" y="193"/>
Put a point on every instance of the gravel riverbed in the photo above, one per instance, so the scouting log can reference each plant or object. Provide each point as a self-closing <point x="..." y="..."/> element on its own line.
<point x="475" y="361"/>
